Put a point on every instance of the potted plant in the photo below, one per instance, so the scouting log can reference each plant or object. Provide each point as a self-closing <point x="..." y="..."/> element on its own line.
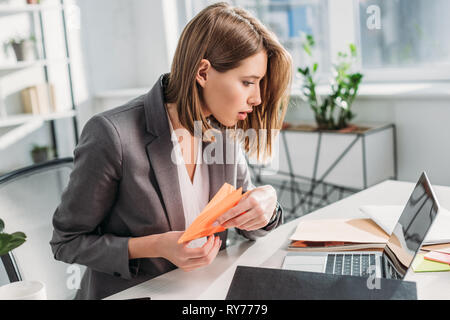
<point x="333" y="152"/>
<point x="9" y="242"/>
<point x="332" y="112"/>
<point x="24" y="289"/>
<point x="40" y="153"/>
<point x="24" y="47"/>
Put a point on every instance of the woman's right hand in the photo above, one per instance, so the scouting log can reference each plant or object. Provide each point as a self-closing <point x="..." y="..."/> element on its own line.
<point x="186" y="258"/>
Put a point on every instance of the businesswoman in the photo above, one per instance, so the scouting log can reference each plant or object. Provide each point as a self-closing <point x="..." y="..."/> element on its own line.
<point x="138" y="182"/>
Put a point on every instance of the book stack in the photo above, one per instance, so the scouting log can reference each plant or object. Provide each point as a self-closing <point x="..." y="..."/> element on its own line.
<point x="39" y="99"/>
<point x="371" y="232"/>
<point x="337" y="235"/>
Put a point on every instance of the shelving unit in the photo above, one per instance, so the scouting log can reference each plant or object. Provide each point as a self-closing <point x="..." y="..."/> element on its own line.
<point x="20" y="65"/>
<point x="23" y="118"/>
<point x="20" y="122"/>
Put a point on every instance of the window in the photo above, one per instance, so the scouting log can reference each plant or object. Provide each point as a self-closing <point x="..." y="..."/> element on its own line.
<point x="397" y="40"/>
<point x="290" y="20"/>
<point x="410" y="35"/>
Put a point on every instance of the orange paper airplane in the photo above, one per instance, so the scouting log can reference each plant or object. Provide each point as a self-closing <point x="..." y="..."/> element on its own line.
<point x="226" y="198"/>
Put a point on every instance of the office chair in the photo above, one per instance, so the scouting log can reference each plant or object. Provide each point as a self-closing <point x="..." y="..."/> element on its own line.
<point x="28" y="200"/>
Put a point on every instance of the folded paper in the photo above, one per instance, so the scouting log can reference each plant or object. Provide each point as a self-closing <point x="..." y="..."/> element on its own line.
<point x="225" y="199"/>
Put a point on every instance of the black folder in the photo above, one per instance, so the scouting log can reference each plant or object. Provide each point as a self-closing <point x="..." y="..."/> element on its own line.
<point x="253" y="283"/>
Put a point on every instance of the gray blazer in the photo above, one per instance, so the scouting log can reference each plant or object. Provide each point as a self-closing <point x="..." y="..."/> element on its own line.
<point x="124" y="185"/>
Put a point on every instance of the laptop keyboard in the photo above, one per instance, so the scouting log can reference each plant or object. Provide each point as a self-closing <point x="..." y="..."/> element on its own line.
<point x="351" y="264"/>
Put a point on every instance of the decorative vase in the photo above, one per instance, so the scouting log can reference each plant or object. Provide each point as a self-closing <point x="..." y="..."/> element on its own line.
<point x="24" y="50"/>
<point x="40" y="155"/>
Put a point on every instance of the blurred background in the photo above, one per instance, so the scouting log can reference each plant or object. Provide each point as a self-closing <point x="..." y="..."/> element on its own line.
<point x="65" y="60"/>
<point x="376" y="73"/>
<point x="96" y="55"/>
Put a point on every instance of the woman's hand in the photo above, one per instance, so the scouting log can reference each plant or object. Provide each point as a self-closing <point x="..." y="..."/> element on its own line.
<point x="186" y="258"/>
<point x="253" y="211"/>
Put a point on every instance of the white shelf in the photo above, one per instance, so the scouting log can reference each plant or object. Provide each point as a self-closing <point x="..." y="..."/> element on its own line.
<point x="26" y="8"/>
<point x="20" y="65"/>
<point x="24" y="118"/>
<point x="9" y="135"/>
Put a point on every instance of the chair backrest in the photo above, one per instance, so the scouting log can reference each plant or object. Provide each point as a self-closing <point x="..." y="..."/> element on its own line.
<point x="28" y="200"/>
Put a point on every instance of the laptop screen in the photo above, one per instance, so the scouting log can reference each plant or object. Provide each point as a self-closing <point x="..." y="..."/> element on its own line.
<point x="412" y="227"/>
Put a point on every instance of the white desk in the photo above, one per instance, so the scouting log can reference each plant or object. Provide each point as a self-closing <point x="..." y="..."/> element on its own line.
<point x="212" y="282"/>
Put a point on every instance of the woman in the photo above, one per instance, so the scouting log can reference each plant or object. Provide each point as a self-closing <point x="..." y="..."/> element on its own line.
<point x="137" y="181"/>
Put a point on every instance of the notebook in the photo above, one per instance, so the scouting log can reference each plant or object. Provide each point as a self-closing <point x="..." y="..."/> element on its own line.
<point x="254" y="283"/>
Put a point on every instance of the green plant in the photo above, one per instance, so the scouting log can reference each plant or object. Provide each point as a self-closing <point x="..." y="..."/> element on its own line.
<point x="9" y="242"/>
<point x="334" y="111"/>
<point x="19" y="40"/>
<point x="37" y="148"/>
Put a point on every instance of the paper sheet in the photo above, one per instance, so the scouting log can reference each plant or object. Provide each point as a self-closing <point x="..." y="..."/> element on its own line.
<point x="347" y="230"/>
<point x="387" y="216"/>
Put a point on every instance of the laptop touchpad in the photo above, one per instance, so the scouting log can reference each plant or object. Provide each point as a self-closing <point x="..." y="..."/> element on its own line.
<point x="305" y="263"/>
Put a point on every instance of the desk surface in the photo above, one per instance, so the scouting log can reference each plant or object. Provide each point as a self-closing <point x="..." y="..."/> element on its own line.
<point x="212" y="282"/>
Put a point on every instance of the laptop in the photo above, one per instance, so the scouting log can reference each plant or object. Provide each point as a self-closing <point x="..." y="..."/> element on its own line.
<point x="398" y="254"/>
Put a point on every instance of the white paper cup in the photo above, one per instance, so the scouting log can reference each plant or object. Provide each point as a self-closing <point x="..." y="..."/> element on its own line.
<point x="23" y="290"/>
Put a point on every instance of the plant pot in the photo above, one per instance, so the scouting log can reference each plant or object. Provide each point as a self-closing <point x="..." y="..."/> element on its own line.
<point x="23" y="290"/>
<point x="329" y="124"/>
<point x="24" y="50"/>
<point x="33" y="1"/>
<point x="39" y="156"/>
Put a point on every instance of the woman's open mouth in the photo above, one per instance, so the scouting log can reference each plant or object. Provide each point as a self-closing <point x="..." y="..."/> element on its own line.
<point x="242" y="115"/>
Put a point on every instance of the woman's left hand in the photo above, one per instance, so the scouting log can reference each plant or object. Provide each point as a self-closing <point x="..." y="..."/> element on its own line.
<point x="253" y="211"/>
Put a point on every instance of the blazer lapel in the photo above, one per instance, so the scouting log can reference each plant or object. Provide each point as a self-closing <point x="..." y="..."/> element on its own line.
<point x="159" y="151"/>
<point x="216" y="170"/>
<point x="216" y="175"/>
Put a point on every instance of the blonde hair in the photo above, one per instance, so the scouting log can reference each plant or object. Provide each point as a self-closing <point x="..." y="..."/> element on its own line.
<point x="225" y="35"/>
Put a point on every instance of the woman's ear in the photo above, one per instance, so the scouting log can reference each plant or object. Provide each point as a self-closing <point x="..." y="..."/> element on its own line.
<point x="202" y="73"/>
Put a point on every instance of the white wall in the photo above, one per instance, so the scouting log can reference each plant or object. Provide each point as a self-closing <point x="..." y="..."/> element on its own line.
<point x="108" y="41"/>
<point x="125" y="44"/>
<point x="423" y="133"/>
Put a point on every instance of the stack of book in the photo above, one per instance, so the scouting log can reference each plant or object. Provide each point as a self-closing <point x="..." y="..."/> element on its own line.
<point x="39" y="99"/>
<point x="337" y="235"/>
<point x="368" y="233"/>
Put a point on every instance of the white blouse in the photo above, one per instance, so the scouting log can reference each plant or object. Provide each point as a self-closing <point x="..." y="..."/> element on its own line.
<point x="195" y="195"/>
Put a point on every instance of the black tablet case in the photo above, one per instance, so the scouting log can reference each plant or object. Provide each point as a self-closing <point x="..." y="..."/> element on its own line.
<point x="252" y="283"/>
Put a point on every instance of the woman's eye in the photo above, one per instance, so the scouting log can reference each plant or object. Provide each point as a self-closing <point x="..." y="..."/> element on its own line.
<point x="246" y="83"/>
